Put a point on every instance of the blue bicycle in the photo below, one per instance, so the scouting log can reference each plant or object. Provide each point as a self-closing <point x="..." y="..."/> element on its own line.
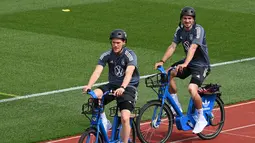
<point x="156" y="119"/>
<point x="96" y="133"/>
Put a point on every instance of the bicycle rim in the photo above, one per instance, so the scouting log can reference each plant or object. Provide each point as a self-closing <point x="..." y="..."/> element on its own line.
<point x="89" y="136"/>
<point x="148" y="129"/>
<point x="217" y="122"/>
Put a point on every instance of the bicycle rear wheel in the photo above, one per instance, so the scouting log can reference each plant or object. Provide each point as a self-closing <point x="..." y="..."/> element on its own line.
<point x="89" y="136"/>
<point x="216" y="122"/>
<point x="148" y="129"/>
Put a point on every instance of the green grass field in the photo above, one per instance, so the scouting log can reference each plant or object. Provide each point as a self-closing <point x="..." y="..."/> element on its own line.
<point x="44" y="49"/>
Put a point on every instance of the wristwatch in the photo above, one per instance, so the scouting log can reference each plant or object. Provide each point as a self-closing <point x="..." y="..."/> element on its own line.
<point x="162" y="61"/>
<point x="123" y="87"/>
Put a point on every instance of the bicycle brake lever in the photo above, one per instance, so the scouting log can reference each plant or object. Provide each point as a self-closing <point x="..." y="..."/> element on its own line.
<point x="89" y="90"/>
<point x="111" y="92"/>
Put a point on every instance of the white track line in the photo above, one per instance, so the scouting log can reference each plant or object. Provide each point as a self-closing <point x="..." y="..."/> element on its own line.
<point x="240" y="104"/>
<point x="80" y="87"/>
<point x="230" y="106"/>
<point x="238" y="135"/>
<point x="65" y="139"/>
<point x="223" y="131"/>
<point x="237" y="128"/>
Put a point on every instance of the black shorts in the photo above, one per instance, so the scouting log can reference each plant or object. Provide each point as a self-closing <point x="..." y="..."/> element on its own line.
<point x="125" y="101"/>
<point x="198" y="74"/>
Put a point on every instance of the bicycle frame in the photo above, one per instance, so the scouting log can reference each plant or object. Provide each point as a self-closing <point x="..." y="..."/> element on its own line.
<point x="188" y="121"/>
<point x="97" y="121"/>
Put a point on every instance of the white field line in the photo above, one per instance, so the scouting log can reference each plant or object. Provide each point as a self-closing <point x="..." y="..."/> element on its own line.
<point x="98" y="84"/>
<point x="7" y="94"/>
<point x="223" y="131"/>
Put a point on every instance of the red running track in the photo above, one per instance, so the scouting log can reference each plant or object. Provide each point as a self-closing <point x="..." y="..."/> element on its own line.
<point x="239" y="127"/>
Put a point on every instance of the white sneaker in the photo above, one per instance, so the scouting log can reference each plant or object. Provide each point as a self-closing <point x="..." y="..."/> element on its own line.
<point x="200" y="125"/>
<point x="107" y="125"/>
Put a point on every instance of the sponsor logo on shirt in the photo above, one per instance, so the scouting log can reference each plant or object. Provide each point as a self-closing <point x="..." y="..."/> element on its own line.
<point x="119" y="71"/>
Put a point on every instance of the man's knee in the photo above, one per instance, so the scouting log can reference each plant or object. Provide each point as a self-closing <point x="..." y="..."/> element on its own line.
<point x="99" y="93"/>
<point x="173" y="74"/>
<point x="125" y="116"/>
<point x="192" y="88"/>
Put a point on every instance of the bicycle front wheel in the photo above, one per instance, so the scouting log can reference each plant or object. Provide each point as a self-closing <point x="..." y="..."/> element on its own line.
<point x="217" y="120"/>
<point x="133" y="132"/>
<point x="89" y="136"/>
<point x="149" y="128"/>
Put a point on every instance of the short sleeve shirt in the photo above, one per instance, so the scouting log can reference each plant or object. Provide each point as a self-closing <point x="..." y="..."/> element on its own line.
<point x="118" y="64"/>
<point x="195" y="36"/>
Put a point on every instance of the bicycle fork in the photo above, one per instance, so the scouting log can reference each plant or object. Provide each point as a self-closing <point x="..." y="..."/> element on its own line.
<point x="156" y="117"/>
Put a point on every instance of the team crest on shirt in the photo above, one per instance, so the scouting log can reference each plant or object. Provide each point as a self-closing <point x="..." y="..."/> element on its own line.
<point x="191" y="37"/>
<point x="118" y="71"/>
<point x="123" y="62"/>
<point x="186" y="44"/>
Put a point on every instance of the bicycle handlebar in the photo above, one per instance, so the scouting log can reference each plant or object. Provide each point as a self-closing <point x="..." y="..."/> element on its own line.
<point x="162" y="70"/>
<point x="92" y="93"/>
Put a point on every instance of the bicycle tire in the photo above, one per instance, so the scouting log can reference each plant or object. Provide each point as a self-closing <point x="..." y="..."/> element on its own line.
<point x="169" y="115"/>
<point x="133" y="128"/>
<point x="90" y="131"/>
<point x="207" y="136"/>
